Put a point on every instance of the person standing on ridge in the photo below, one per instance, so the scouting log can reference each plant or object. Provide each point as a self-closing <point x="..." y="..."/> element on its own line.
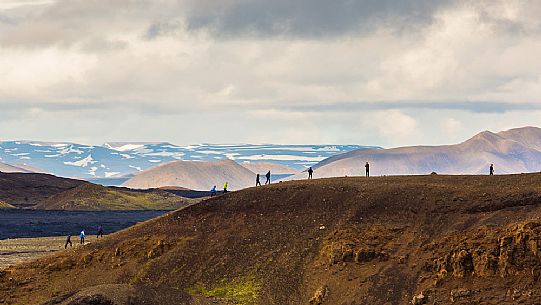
<point x="257" y="182"/>
<point x="82" y="236"/>
<point x="100" y="231"/>
<point x="491" y="169"/>
<point x="225" y="187"/>
<point x="367" y="167"/>
<point x="268" y="176"/>
<point x="213" y="191"/>
<point x="68" y="241"/>
<point x="310" y="172"/>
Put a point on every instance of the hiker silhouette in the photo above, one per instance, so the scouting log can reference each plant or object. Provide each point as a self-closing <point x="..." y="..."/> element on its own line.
<point x="257" y="182"/>
<point x="268" y="176"/>
<point x="68" y="241"/>
<point x="367" y="167"/>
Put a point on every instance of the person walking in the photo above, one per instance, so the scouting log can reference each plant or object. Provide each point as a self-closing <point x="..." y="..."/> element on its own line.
<point x="225" y="187"/>
<point x="367" y="167"/>
<point x="491" y="169"/>
<point x="213" y="191"/>
<point x="82" y="236"/>
<point x="100" y="231"/>
<point x="257" y="182"/>
<point x="68" y="241"/>
<point x="268" y="176"/>
<point x="310" y="172"/>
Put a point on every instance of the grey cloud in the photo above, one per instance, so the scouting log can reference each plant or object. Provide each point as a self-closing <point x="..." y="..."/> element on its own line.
<point x="312" y="18"/>
<point x="51" y="106"/>
<point x="474" y="107"/>
<point x="6" y="20"/>
<point x="158" y="29"/>
<point x="128" y="107"/>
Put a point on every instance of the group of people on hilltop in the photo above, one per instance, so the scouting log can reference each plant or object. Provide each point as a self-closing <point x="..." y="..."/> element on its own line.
<point x="82" y="236"/>
<point x="310" y="171"/>
<point x="267" y="175"/>
<point x="213" y="190"/>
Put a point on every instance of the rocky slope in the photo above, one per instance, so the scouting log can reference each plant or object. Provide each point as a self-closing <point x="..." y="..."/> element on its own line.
<point x="384" y="240"/>
<point x="195" y="175"/>
<point x="91" y="197"/>
<point x="512" y="151"/>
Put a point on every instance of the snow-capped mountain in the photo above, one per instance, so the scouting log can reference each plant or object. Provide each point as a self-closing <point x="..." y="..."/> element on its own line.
<point x="115" y="159"/>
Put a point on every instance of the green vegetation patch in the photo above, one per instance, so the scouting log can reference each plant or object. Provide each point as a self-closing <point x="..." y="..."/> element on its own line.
<point x="5" y="205"/>
<point x="241" y="290"/>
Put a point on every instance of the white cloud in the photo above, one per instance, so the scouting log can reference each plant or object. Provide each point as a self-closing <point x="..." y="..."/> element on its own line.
<point x="394" y="124"/>
<point x="451" y="126"/>
<point x="84" y="70"/>
<point x="9" y="5"/>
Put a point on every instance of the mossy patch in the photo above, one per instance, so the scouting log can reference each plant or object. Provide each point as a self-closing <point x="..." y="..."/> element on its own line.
<point x="242" y="290"/>
<point x="5" y="205"/>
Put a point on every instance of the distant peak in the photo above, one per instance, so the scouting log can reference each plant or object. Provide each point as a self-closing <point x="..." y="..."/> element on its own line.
<point x="486" y="135"/>
<point x="522" y="129"/>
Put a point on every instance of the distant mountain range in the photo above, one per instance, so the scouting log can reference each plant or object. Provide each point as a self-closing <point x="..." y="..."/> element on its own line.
<point x="113" y="160"/>
<point x="163" y="164"/>
<point x="513" y="151"/>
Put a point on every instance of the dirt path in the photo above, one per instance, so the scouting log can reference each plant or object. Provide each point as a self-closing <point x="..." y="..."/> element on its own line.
<point x="13" y="251"/>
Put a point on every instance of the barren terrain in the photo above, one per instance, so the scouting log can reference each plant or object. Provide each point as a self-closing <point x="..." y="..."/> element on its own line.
<point x="383" y="240"/>
<point x="13" y="251"/>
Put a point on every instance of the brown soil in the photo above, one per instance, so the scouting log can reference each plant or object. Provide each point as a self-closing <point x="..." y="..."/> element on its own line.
<point x="93" y="197"/>
<point x="384" y="240"/>
<point x="13" y="251"/>
<point x="24" y="189"/>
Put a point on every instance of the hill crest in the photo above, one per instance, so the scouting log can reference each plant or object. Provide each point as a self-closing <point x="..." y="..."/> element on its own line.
<point x="92" y="197"/>
<point x="512" y="151"/>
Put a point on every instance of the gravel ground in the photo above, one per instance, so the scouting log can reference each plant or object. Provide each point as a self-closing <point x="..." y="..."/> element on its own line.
<point x="13" y="251"/>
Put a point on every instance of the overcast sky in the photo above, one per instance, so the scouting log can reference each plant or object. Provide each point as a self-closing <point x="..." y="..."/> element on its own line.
<point x="369" y="72"/>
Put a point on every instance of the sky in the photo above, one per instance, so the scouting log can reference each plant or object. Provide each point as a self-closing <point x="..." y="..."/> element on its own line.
<point x="367" y="72"/>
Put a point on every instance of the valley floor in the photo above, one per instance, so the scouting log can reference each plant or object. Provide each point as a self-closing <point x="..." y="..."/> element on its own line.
<point x="13" y="251"/>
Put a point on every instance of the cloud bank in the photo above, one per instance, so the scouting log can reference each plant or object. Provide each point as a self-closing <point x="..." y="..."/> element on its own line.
<point x="367" y="72"/>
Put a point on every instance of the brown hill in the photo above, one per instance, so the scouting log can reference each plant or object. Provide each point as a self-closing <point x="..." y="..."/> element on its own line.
<point x="92" y="197"/>
<point x="30" y="169"/>
<point x="384" y="240"/>
<point x="512" y="151"/>
<point x="6" y="168"/>
<point x="195" y="175"/>
<point x="28" y="189"/>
